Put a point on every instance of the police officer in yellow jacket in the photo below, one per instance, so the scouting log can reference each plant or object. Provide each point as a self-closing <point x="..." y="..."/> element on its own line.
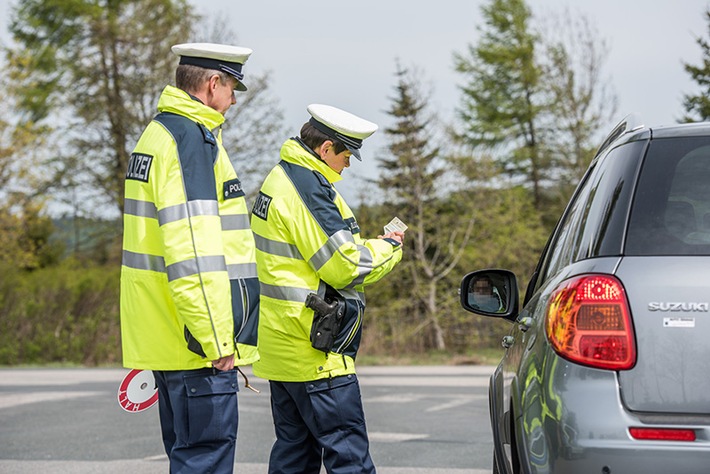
<point x="189" y="288"/>
<point x="313" y="265"/>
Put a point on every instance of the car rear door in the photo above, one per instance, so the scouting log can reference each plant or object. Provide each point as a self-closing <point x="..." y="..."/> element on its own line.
<point x="670" y="307"/>
<point x="666" y="275"/>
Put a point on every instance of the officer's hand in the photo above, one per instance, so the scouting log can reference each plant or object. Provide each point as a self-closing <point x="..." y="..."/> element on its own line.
<point x="397" y="235"/>
<point x="225" y="363"/>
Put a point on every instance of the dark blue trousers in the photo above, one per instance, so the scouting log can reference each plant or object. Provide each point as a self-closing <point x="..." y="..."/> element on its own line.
<point x="319" y="422"/>
<point x="198" y="418"/>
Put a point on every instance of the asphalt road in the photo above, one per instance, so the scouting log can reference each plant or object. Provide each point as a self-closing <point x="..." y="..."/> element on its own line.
<point x="431" y="420"/>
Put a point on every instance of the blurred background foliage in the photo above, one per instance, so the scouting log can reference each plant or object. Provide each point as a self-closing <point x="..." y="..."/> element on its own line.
<point x="482" y="191"/>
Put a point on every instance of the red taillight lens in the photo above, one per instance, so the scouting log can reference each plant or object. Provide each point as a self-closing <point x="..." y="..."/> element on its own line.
<point x="589" y="322"/>
<point x="662" y="434"/>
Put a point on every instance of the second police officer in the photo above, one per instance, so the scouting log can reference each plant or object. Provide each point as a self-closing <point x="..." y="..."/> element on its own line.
<point x="313" y="265"/>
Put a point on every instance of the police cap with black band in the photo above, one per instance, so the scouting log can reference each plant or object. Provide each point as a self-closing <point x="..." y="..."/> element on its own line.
<point x="342" y="126"/>
<point x="220" y="57"/>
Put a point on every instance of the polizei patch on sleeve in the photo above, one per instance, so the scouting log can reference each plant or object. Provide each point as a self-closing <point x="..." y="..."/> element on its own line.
<point x="261" y="206"/>
<point x="233" y="189"/>
<point x="352" y="223"/>
<point x="139" y="167"/>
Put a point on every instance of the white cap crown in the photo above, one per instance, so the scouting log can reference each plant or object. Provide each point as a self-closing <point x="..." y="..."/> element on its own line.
<point x="341" y="121"/>
<point x="343" y="126"/>
<point x="221" y="57"/>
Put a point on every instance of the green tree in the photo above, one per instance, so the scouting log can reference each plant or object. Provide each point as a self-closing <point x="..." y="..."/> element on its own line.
<point x="411" y="177"/>
<point x="582" y="102"/>
<point x="79" y="67"/>
<point x="94" y="69"/>
<point x="24" y="227"/>
<point x="24" y="237"/>
<point x="697" y="106"/>
<point x="501" y="101"/>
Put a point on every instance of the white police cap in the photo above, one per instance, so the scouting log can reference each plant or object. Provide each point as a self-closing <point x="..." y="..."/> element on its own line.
<point x="221" y="57"/>
<point x="343" y="126"/>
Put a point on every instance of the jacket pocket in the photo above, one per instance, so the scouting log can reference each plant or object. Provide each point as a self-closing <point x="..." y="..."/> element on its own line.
<point x="337" y="403"/>
<point x="212" y="410"/>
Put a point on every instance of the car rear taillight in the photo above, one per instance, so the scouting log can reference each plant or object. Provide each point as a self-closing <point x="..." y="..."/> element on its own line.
<point x="589" y="322"/>
<point x="662" y="434"/>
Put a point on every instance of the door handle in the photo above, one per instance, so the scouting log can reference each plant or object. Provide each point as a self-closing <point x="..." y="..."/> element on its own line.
<point x="525" y="323"/>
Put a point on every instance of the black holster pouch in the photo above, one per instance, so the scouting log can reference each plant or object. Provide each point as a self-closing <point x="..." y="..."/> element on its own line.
<point x="327" y="320"/>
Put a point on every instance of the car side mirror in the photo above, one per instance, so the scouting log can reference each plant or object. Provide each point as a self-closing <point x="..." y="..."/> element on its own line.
<point x="492" y="292"/>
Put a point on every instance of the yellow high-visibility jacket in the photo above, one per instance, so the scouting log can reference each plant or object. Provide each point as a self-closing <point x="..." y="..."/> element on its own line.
<point x="189" y="288"/>
<point x="308" y="240"/>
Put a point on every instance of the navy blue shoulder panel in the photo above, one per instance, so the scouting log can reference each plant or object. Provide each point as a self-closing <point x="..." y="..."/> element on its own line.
<point x="197" y="151"/>
<point x="318" y="195"/>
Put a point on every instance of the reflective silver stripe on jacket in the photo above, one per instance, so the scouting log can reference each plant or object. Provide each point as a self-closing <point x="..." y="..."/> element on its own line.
<point x="156" y="263"/>
<point x="331" y="246"/>
<point x="241" y="270"/>
<point x="172" y="214"/>
<point x="360" y="279"/>
<point x="280" y="249"/>
<point x="143" y="261"/>
<point x="235" y="222"/>
<point x="350" y="294"/>
<point x="178" y="212"/>
<point x="284" y="293"/>
<point x="212" y="263"/>
<point x="138" y="208"/>
<point x="364" y="268"/>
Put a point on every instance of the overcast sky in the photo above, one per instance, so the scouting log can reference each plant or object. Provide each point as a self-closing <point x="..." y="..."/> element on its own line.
<point x="343" y="53"/>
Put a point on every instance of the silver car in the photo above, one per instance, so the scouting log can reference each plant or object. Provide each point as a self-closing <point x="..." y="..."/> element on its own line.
<point x="607" y="363"/>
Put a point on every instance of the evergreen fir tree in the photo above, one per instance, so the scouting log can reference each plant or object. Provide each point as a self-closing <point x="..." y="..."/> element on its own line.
<point x="697" y="107"/>
<point x="411" y="177"/>
<point x="500" y="104"/>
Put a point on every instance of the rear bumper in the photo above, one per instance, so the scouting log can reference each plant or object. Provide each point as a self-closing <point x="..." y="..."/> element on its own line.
<point x="636" y="458"/>
<point x="570" y="419"/>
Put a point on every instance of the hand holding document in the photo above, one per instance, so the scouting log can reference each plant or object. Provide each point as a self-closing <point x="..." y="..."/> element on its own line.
<point x="395" y="225"/>
<point x="395" y="230"/>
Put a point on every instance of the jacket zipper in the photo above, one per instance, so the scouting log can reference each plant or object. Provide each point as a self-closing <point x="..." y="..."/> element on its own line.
<point x="352" y="333"/>
<point x="245" y="307"/>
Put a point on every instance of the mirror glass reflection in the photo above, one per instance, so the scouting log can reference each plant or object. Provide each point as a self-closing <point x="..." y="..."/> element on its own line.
<point x="487" y="293"/>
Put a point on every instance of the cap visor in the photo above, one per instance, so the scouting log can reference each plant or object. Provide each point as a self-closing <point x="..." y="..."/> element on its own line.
<point x="240" y="86"/>
<point x="354" y="151"/>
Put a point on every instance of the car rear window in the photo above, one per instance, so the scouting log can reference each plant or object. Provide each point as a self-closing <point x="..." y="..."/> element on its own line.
<point x="671" y="208"/>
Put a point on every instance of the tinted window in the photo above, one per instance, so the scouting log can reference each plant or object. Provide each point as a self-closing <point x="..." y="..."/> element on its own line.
<point x="612" y="186"/>
<point x="671" y="210"/>
<point x="593" y="224"/>
<point x="559" y="253"/>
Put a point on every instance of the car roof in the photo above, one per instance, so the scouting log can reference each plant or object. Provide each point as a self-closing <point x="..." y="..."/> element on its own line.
<point x="632" y="128"/>
<point x="681" y="130"/>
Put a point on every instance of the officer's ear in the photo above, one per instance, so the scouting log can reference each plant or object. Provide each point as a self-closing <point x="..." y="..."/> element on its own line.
<point x="214" y="82"/>
<point x="324" y="147"/>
